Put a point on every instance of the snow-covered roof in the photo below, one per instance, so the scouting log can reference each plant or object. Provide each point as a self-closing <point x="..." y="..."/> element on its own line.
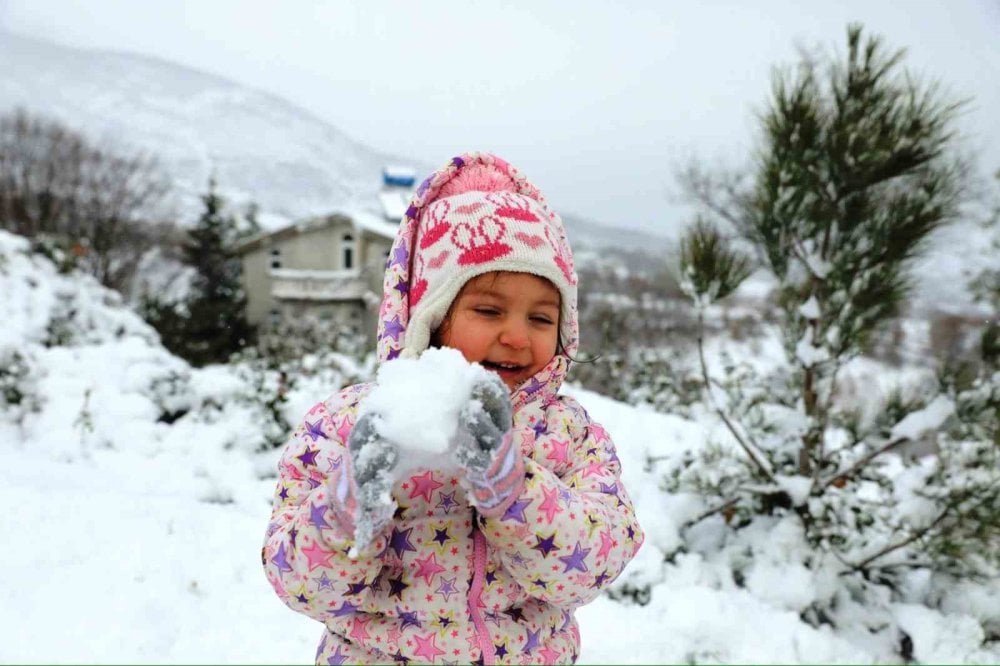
<point x="374" y="223"/>
<point x="394" y="202"/>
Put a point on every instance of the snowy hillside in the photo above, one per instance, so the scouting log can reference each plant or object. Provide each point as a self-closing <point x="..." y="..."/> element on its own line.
<point x="259" y="147"/>
<point x="138" y="503"/>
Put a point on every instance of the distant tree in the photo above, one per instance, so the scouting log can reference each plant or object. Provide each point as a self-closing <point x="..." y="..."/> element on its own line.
<point x="853" y="175"/>
<point x="210" y="323"/>
<point x="99" y="206"/>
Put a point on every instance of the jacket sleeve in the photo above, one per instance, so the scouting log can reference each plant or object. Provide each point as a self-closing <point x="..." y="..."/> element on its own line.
<point x="572" y="528"/>
<point x="306" y="546"/>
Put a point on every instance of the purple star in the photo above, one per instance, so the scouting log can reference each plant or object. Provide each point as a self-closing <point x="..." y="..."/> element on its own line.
<point x="357" y="588"/>
<point x="447" y="502"/>
<point x="396" y="587"/>
<point x="491" y="577"/>
<point x="336" y="658"/>
<point x="283" y="493"/>
<point x="532" y="642"/>
<point x="400" y="256"/>
<point x="400" y="658"/>
<point x="458" y="161"/>
<point x="346" y="608"/>
<point x="407" y="619"/>
<point x="292" y="535"/>
<point x="324" y="583"/>
<point x="631" y="533"/>
<point x="315" y="430"/>
<point x="447" y="588"/>
<point x="393" y="353"/>
<point x="539" y="428"/>
<point x="546" y="545"/>
<point x="575" y="560"/>
<point x="533" y="386"/>
<point x="515" y="613"/>
<point x="281" y="560"/>
<point x="444" y="621"/>
<point x="517" y="559"/>
<point x="516" y="511"/>
<point x="302" y="598"/>
<point x="393" y="328"/>
<point x="334" y="463"/>
<point x="308" y="457"/>
<point x="441" y="536"/>
<point x="402" y="287"/>
<point x="601" y="577"/>
<point x="411" y="212"/>
<point x="540" y="582"/>
<point x="501" y="650"/>
<point x="423" y="187"/>
<point x="492" y="616"/>
<point x="317" y="516"/>
<point x="400" y="541"/>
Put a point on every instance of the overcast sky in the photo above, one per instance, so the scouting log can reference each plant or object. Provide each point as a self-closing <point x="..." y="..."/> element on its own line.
<point x="598" y="102"/>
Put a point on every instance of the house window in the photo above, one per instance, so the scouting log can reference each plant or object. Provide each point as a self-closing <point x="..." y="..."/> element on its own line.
<point x="347" y="244"/>
<point x="276" y="258"/>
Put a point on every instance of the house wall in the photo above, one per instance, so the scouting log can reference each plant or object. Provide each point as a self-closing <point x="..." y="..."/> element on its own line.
<point x="317" y="248"/>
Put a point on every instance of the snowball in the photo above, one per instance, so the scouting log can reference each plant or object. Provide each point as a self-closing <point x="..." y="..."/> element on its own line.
<point x="419" y="400"/>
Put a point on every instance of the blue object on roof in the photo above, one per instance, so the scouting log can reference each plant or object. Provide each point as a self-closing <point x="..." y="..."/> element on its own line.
<point x="398" y="176"/>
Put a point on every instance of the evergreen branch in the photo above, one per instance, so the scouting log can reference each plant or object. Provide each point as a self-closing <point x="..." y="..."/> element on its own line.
<point x="710" y="512"/>
<point x="863" y="462"/>
<point x="905" y="542"/>
<point x="747" y="447"/>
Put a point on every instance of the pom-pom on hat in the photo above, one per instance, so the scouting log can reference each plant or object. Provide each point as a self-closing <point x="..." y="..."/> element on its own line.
<point x="477" y="215"/>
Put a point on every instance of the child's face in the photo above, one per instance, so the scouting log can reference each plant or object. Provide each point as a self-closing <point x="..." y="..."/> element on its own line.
<point x="507" y="322"/>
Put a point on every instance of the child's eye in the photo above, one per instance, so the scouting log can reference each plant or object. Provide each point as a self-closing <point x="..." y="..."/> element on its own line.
<point x="486" y="311"/>
<point x="542" y="319"/>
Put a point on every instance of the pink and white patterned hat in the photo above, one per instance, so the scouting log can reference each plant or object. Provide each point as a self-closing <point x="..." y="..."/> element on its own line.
<point x="476" y="215"/>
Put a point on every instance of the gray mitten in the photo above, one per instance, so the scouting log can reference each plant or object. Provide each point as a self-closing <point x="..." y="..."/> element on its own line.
<point x="487" y="450"/>
<point x="486" y="418"/>
<point x="373" y="459"/>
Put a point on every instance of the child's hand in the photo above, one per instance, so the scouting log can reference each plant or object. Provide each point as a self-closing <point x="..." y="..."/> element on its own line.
<point x="485" y="419"/>
<point x="374" y="460"/>
<point x="486" y="451"/>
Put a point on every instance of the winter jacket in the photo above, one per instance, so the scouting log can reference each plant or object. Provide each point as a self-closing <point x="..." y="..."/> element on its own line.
<point x="444" y="582"/>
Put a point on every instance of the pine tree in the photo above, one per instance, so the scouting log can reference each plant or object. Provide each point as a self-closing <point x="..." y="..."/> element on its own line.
<point x="210" y="324"/>
<point x="853" y="175"/>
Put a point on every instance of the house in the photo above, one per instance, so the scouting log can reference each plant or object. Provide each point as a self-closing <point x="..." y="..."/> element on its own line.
<point x="327" y="267"/>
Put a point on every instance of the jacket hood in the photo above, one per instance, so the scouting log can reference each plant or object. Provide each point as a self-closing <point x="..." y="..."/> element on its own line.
<point x="398" y="285"/>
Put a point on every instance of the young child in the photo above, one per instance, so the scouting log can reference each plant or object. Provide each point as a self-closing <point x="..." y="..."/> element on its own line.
<point x="485" y="564"/>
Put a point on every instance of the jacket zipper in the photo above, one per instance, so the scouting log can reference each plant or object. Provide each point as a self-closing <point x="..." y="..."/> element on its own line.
<point x="476" y="591"/>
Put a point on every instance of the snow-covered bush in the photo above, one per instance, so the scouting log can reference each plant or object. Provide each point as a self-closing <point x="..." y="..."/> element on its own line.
<point x="18" y="385"/>
<point x="870" y="494"/>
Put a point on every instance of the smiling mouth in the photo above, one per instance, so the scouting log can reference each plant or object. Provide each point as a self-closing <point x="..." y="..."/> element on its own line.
<point x="503" y="368"/>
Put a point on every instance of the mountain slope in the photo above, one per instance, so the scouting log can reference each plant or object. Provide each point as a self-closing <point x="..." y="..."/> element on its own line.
<point x="258" y="146"/>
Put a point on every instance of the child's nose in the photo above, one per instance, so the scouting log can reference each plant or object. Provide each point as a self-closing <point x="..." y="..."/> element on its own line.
<point x="515" y="335"/>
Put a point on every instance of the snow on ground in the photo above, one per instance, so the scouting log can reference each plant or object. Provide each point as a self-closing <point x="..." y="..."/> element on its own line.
<point x="131" y="539"/>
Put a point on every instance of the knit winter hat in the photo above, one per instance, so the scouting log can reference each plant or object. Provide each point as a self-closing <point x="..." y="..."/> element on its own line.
<point x="476" y="215"/>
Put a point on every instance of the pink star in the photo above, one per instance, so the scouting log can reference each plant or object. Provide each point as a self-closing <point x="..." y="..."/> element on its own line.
<point x="606" y="543"/>
<point x="426" y="648"/>
<point x="358" y="632"/>
<point x="318" y="556"/>
<point x="593" y="469"/>
<point x="344" y="429"/>
<point x="428" y="568"/>
<point x="548" y="655"/>
<point x="293" y="472"/>
<point x="424" y="485"/>
<point x="550" y="507"/>
<point x="558" y="452"/>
